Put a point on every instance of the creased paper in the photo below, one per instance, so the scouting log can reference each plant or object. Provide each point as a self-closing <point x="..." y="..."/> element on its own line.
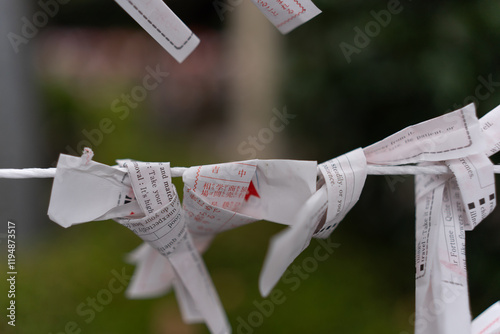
<point x="287" y="15"/>
<point x="488" y="322"/>
<point x="442" y="304"/>
<point x="450" y="136"/>
<point x="344" y="178"/>
<point x="158" y="219"/>
<point x="163" y="25"/>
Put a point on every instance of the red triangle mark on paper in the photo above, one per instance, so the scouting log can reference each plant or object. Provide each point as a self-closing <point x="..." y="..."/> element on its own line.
<point x="252" y="191"/>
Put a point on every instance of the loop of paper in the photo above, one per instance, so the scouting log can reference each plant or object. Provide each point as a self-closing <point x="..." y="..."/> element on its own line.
<point x="85" y="190"/>
<point x="287" y="15"/>
<point x="344" y="177"/>
<point x="476" y="183"/>
<point x="468" y="197"/>
<point x="214" y="196"/>
<point x="164" y="227"/>
<point x="222" y="185"/>
<point x="442" y="301"/>
<point x="163" y="25"/>
<point x="224" y="196"/>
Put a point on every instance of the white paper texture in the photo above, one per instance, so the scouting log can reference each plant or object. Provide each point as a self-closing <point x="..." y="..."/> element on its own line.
<point x="442" y="303"/>
<point x="163" y="25"/>
<point x="153" y="275"/>
<point x="476" y="182"/>
<point x="165" y="229"/>
<point x="490" y="125"/>
<point x="224" y="196"/>
<point x="280" y="188"/>
<point x="95" y="189"/>
<point x="159" y="221"/>
<point x="488" y="322"/>
<point x="287" y="15"/>
<point x="288" y="244"/>
<point x="344" y="178"/>
<point x="453" y="135"/>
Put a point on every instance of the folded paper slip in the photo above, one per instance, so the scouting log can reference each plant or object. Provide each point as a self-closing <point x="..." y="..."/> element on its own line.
<point x="224" y="196"/>
<point x="341" y="181"/>
<point x="163" y="25"/>
<point x="145" y="201"/>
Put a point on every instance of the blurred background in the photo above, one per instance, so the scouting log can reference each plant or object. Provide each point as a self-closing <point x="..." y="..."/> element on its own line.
<point x="59" y="81"/>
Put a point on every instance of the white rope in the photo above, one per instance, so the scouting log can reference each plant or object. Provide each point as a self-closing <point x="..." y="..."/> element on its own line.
<point x="41" y="173"/>
<point x="32" y="173"/>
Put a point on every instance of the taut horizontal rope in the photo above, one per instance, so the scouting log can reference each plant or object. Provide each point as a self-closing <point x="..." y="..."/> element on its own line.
<point x="34" y="173"/>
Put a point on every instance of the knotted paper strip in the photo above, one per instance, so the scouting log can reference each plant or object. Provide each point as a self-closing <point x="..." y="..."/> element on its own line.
<point x="157" y="218"/>
<point x="214" y="196"/>
<point x="343" y="179"/>
<point x="224" y="196"/>
<point x="442" y="304"/>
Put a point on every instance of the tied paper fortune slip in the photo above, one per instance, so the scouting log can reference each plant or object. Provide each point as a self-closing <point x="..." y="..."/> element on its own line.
<point x="441" y="276"/>
<point x="144" y="200"/>
<point x="224" y="196"/>
<point x="141" y="197"/>
<point x="341" y="184"/>
<point x="248" y="190"/>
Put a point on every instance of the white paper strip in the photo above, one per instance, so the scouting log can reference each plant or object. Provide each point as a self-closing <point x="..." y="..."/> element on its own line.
<point x="453" y="135"/>
<point x="476" y="181"/>
<point x="488" y="322"/>
<point x="287" y="15"/>
<point x="442" y="301"/>
<point x="158" y="219"/>
<point x="490" y="125"/>
<point x="344" y="177"/>
<point x="163" y="25"/>
<point x="165" y="229"/>
<point x="153" y="275"/>
<point x="288" y="244"/>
